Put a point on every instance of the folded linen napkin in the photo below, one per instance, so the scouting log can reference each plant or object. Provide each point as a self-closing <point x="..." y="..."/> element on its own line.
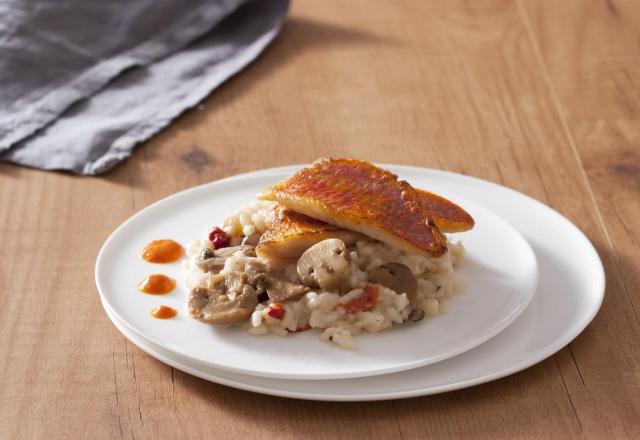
<point x="82" y="82"/>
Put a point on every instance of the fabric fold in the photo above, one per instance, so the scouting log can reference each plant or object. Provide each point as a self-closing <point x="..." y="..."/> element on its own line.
<point x="102" y="123"/>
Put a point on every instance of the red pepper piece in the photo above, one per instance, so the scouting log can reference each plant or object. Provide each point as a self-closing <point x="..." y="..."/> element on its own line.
<point x="219" y="238"/>
<point x="276" y="311"/>
<point x="366" y="301"/>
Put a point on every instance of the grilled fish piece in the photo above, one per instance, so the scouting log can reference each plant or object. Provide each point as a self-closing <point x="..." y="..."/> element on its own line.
<point x="447" y="216"/>
<point x="358" y="196"/>
<point x="289" y="234"/>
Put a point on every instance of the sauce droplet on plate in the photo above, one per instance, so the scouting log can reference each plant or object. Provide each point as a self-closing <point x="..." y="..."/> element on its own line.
<point x="157" y="284"/>
<point x="162" y="251"/>
<point x="164" y="312"/>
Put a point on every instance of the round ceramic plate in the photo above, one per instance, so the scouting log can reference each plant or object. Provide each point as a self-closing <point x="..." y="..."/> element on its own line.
<point x="568" y="296"/>
<point x="500" y="271"/>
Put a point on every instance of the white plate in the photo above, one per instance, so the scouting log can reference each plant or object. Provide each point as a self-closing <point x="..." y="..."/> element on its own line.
<point x="500" y="271"/>
<point x="569" y="294"/>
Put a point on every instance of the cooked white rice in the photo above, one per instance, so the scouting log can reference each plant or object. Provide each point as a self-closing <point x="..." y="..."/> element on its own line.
<point x="436" y="277"/>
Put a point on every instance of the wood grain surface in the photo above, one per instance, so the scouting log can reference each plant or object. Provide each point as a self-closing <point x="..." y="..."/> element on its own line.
<point x="539" y="95"/>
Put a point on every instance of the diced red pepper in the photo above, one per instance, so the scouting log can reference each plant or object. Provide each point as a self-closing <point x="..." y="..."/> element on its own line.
<point x="219" y="238"/>
<point x="276" y="311"/>
<point x="366" y="301"/>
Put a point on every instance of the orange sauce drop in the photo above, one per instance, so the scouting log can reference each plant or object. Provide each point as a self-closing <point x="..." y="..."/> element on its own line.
<point x="162" y="251"/>
<point x="164" y="312"/>
<point x="157" y="284"/>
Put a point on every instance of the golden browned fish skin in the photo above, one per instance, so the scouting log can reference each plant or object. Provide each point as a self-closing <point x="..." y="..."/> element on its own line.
<point x="290" y="233"/>
<point x="447" y="216"/>
<point x="359" y="196"/>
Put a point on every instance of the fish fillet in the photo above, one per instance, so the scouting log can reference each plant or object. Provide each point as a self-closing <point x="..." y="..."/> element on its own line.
<point x="447" y="216"/>
<point x="290" y="233"/>
<point x="358" y="196"/>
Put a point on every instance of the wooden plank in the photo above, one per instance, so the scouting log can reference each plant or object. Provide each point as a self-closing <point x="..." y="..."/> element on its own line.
<point x="56" y="354"/>
<point x="594" y="77"/>
<point x="457" y="86"/>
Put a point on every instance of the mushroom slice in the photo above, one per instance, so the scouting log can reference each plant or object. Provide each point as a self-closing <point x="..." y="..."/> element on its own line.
<point x="213" y="261"/>
<point x="226" y="252"/>
<point x="208" y="262"/>
<point x="256" y="271"/>
<point x="235" y="281"/>
<point x="280" y="290"/>
<point x="213" y="306"/>
<point x="251" y="240"/>
<point x="325" y="265"/>
<point x="416" y="315"/>
<point x="397" y="277"/>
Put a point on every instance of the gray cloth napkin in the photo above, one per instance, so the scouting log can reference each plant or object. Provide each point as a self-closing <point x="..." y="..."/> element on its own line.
<point x="82" y="82"/>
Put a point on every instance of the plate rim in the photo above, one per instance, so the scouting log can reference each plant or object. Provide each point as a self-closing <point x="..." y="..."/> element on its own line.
<point x="475" y="342"/>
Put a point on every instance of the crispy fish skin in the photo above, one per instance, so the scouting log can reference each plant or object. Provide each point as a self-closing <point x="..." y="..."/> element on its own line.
<point x="290" y="233"/>
<point x="447" y="216"/>
<point x="359" y="196"/>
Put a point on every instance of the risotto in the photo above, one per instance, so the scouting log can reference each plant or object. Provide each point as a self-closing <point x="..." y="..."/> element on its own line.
<point x="361" y="299"/>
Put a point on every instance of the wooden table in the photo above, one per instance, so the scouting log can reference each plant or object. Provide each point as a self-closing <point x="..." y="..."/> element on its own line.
<point x="542" y="96"/>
